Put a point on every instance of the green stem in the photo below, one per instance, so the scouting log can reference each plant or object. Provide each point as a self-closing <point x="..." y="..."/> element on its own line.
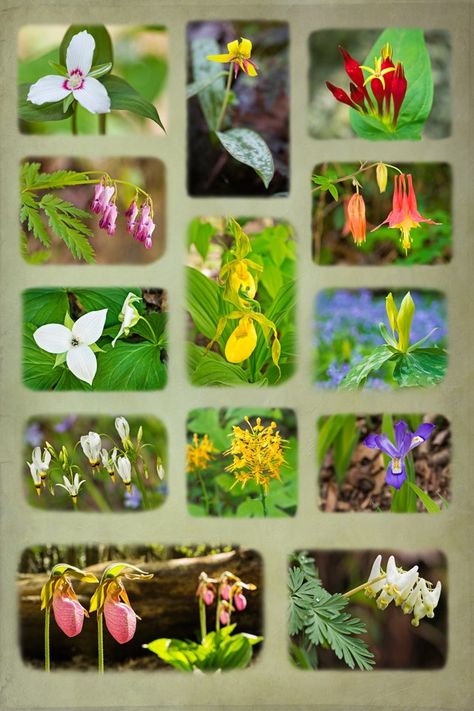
<point x="218" y="622"/>
<point x="202" y="617"/>
<point x="100" y="642"/>
<point x="204" y="492"/>
<point x="88" y="181"/>
<point x="362" y="169"/>
<point x="47" y="617"/>
<point x="263" y="499"/>
<point x="74" y="121"/>
<point x="226" y="98"/>
<point x="141" y="486"/>
<point x="349" y="593"/>
<point x="142" y="318"/>
<point x="102" y="124"/>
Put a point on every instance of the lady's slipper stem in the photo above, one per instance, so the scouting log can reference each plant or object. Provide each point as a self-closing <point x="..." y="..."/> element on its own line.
<point x="204" y="491"/>
<point x="226" y="98"/>
<point x="263" y="498"/>
<point x="218" y="608"/>
<point x="100" y="642"/>
<point x="202" y="618"/>
<point x="349" y="593"/>
<point x="47" y="618"/>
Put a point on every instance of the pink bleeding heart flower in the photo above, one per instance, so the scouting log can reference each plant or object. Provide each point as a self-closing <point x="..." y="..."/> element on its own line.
<point x="120" y="620"/>
<point x="240" y="601"/>
<point x="131" y="215"/>
<point x="109" y="219"/>
<point x="102" y="197"/>
<point x="145" y="226"/>
<point x="68" y="613"/>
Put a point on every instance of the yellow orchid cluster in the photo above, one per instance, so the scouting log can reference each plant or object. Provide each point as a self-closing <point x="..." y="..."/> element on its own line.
<point x="238" y="278"/>
<point x="257" y="454"/>
<point x="199" y="453"/>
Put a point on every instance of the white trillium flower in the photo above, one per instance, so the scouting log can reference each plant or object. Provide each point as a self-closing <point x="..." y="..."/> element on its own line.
<point x="129" y="316"/>
<point x="91" y="446"/>
<point x="40" y="462"/>
<point x="89" y="92"/>
<point x="75" y="342"/>
<point x="124" y="470"/>
<point x="73" y="487"/>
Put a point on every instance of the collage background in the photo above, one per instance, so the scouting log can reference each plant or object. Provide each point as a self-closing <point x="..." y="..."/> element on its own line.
<point x="271" y="681"/>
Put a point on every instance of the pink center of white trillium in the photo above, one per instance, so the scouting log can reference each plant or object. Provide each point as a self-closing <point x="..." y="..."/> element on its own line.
<point x="75" y="80"/>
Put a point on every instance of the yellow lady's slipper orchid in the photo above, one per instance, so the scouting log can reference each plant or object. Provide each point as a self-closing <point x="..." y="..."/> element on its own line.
<point x="241" y="342"/>
<point x="241" y="278"/>
<point x="239" y="53"/>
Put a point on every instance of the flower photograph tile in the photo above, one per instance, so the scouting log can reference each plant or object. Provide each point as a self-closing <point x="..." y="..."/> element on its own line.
<point x="92" y="79"/>
<point x="241" y="301"/>
<point x="384" y="462"/>
<point x="104" y="211"/>
<point x="94" y="339"/>
<point x="391" y="84"/>
<point x="375" y="339"/>
<point x="368" y="610"/>
<point x="192" y="608"/>
<point x="238" y="108"/>
<point x="373" y="212"/>
<point x="95" y="463"/>
<point x="242" y="462"/>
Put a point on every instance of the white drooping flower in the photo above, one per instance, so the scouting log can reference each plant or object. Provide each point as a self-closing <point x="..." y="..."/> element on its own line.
<point x="72" y="487"/>
<point x="123" y="430"/>
<point x="124" y="470"/>
<point x="108" y="461"/>
<point x="91" y="446"/>
<point x="129" y="315"/>
<point x="79" y="82"/>
<point x="37" y="480"/>
<point x="75" y="342"/>
<point x="430" y="596"/>
<point x="376" y="571"/>
<point x="41" y="462"/>
<point x="400" y="582"/>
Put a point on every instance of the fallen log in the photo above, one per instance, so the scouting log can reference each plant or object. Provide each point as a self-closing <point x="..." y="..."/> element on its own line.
<point x="167" y="605"/>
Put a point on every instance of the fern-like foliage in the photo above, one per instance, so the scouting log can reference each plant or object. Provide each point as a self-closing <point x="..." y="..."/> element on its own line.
<point x="318" y="618"/>
<point x="39" y="211"/>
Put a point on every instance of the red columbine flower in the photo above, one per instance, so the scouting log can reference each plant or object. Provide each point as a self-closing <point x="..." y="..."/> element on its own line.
<point x="404" y="214"/>
<point x="356" y="218"/>
<point x="399" y="89"/>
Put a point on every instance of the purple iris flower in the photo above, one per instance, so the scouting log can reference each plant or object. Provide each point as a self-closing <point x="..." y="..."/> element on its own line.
<point x="405" y="441"/>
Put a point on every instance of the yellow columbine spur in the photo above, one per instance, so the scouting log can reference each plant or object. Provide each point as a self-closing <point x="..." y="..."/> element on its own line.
<point x="239" y="54"/>
<point x="257" y="454"/>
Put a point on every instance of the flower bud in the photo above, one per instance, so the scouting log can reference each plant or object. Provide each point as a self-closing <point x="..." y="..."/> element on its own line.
<point x="224" y="617"/>
<point x="392" y="312"/>
<point x="208" y="596"/>
<point x="381" y="173"/>
<point x="405" y="317"/>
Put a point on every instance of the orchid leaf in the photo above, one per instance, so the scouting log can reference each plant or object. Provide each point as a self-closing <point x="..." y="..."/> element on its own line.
<point x="248" y="147"/>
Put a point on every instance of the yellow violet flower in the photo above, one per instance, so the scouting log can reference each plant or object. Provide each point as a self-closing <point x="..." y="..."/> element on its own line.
<point x="199" y="453"/>
<point x="239" y="54"/>
<point x="241" y="342"/>
<point x="257" y="454"/>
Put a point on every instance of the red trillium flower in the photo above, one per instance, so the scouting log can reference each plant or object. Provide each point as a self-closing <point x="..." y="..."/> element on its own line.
<point x="404" y="214"/>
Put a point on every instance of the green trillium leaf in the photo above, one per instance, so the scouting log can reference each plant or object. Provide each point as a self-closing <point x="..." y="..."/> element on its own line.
<point x="124" y="97"/>
<point x="103" y="52"/>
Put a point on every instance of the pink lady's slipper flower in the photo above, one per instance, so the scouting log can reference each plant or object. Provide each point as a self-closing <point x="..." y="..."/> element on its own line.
<point x="405" y="441"/>
<point x="59" y="595"/>
<point x="238" y="53"/>
<point x="206" y="589"/>
<point x="111" y="600"/>
<point x="79" y="80"/>
<point x="240" y="601"/>
<point x="404" y="214"/>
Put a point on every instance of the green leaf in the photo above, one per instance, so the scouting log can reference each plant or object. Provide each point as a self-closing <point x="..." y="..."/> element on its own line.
<point x="125" y="97"/>
<point x="32" y="177"/>
<point x="111" y="299"/>
<point x="249" y="148"/>
<point x="103" y="52"/>
<point x="423" y="367"/>
<point x="38" y="366"/>
<point x="197" y="86"/>
<point x="328" y="431"/>
<point x="209" y="368"/>
<point x="425" y="498"/>
<point x="212" y="96"/>
<point x="29" y="213"/>
<point x="58" y="68"/>
<point x="203" y="302"/>
<point x="65" y="221"/>
<point x="42" y="306"/>
<point x="148" y="75"/>
<point x="357" y="376"/>
<point x="200" y="234"/>
<point x="409" y="48"/>
<point x="131" y="366"/>
<point x="46" y="112"/>
<point x="100" y="69"/>
<point x="333" y="190"/>
<point x="344" y="446"/>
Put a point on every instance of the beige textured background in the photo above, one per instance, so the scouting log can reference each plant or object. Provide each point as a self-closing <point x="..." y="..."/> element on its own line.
<point x="272" y="681"/>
